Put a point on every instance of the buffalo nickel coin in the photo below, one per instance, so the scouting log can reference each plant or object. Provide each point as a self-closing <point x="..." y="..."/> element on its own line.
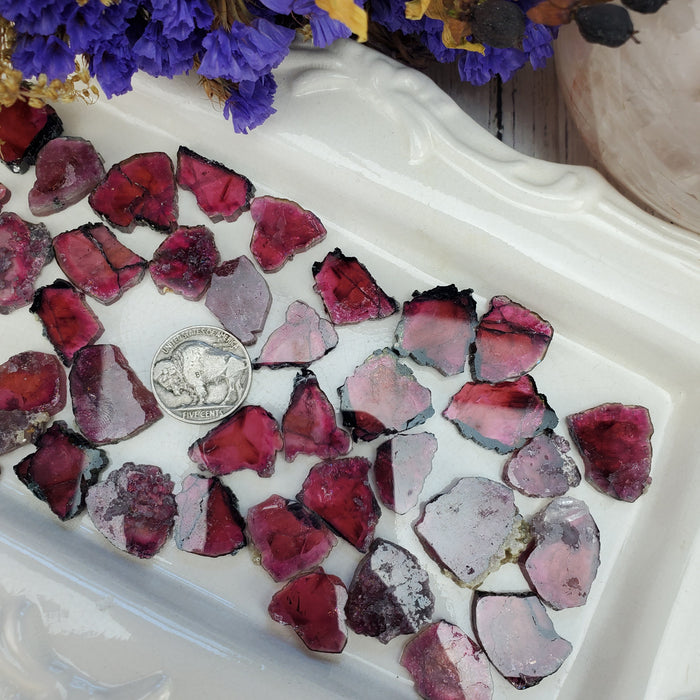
<point x="201" y="374"/>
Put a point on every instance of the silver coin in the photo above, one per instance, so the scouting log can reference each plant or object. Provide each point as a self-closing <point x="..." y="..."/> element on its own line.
<point x="201" y="374"/>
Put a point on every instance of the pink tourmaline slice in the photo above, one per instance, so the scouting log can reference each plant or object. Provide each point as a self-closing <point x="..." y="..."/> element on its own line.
<point x="34" y="382"/>
<point x="349" y="292"/>
<point x="64" y="465"/>
<point x="208" y="521"/>
<point x="518" y="636"/>
<point x="69" y="323"/>
<point x="240" y="298"/>
<point x="301" y="339"/>
<point x="389" y="594"/>
<point x="542" y="467"/>
<point x="248" y="439"/>
<point x="338" y="490"/>
<point x="282" y="228"/>
<point x="308" y="425"/>
<point x="564" y="558"/>
<point x="97" y="263"/>
<point x="110" y="403"/>
<point x="5" y="195"/>
<point x="290" y="538"/>
<point x="221" y="193"/>
<point x="501" y="416"/>
<point x="134" y="508"/>
<point x="471" y="529"/>
<point x="615" y="443"/>
<point x="184" y="262"/>
<point x="313" y="605"/>
<point x="401" y="466"/>
<point x="138" y="190"/>
<point x="446" y="664"/>
<point x="25" y="248"/>
<point x="67" y="169"/>
<point x="437" y="328"/>
<point x="383" y="397"/>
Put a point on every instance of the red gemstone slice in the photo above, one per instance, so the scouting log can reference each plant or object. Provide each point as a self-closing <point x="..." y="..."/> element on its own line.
<point x="64" y="465"/>
<point x="18" y="428"/>
<point x="401" y="466"/>
<point x="249" y="439"/>
<point x="349" y="292"/>
<point x="184" y="262"/>
<point x="221" y="193"/>
<point x="290" y="538"/>
<point x="313" y="605"/>
<point x="389" y="594"/>
<point x="24" y="250"/>
<point x="308" y="425"/>
<point x="208" y="521"/>
<point x="383" y="397"/>
<point x="67" y="169"/>
<point x="510" y="341"/>
<point x="518" y="636"/>
<point x="23" y="132"/>
<point x="437" y="328"/>
<point x="446" y="664"/>
<point x="501" y="416"/>
<point x="5" y="195"/>
<point x="34" y="382"/>
<point x="338" y="490"/>
<point x="282" y="228"/>
<point x="615" y="443"/>
<point x="301" y="339"/>
<point x="134" y="508"/>
<point x="97" y="263"/>
<point x="69" y="323"/>
<point x="240" y="298"/>
<point x="110" y="403"/>
<point x="140" y="189"/>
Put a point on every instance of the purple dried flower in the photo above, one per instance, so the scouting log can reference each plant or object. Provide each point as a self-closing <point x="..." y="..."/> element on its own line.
<point x="36" y="17"/>
<point x="250" y="103"/>
<point x="43" y="54"/>
<point x="161" y="55"/>
<point x="180" y="18"/>
<point x="113" y="65"/>
<point x="83" y="24"/>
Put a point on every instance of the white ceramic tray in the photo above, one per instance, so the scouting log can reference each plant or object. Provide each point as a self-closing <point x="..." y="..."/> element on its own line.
<point x="410" y="185"/>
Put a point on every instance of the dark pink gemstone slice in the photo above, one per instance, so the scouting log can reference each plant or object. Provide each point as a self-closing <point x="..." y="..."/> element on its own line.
<point x="615" y="443"/>
<point x="290" y="538"/>
<point x="138" y="190"/>
<point x="110" y="403"/>
<point x="446" y="664"/>
<point x="249" y="439"/>
<point x="69" y="323"/>
<point x="5" y="195"/>
<point x="64" y="465"/>
<point x="349" y="292"/>
<point x="221" y="193"/>
<point x="34" y="382"/>
<point x="563" y="561"/>
<point x="501" y="416"/>
<point x="18" y="428"/>
<point x="67" y="169"/>
<point x="383" y="397"/>
<point x="510" y="341"/>
<point x="518" y="636"/>
<point x="313" y="606"/>
<point x="208" y="521"/>
<point x="542" y="467"/>
<point x="24" y="250"/>
<point x="389" y="594"/>
<point x="308" y="425"/>
<point x="97" y="263"/>
<point x="401" y="466"/>
<point x="240" y="298"/>
<point x="338" y="490"/>
<point x="282" y="228"/>
<point x="184" y="262"/>
<point x="134" y="508"/>
<point x="437" y="328"/>
<point x="301" y="339"/>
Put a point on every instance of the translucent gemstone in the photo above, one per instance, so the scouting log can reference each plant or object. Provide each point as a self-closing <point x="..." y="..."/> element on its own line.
<point x="249" y="439"/>
<point x="389" y="594"/>
<point x="313" y="605"/>
<point x="290" y="538"/>
<point x="64" y="465"/>
<point x="5" y="195"/>
<point x="34" y="382"/>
